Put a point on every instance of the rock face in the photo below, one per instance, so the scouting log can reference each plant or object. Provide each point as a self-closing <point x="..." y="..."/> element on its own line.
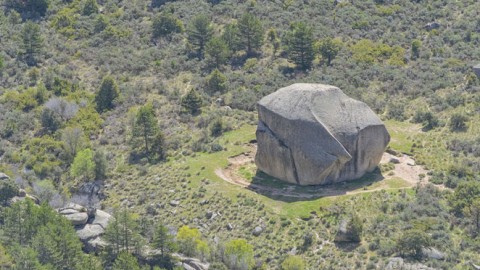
<point x="90" y="225"/>
<point x="314" y="134"/>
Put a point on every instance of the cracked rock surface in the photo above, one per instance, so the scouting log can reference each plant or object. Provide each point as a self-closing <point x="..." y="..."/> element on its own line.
<point x="314" y="134"/>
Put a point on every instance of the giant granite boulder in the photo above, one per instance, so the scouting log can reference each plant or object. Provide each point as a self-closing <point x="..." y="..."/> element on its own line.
<point x="314" y="134"/>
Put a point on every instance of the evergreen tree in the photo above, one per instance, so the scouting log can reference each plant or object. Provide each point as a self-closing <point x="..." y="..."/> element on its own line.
<point x="8" y="189"/>
<point x="146" y="129"/>
<point x="90" y="7"/>
<point x="200" y="31"/>
<point x="106" y="95"/>
<point x="251" y="33"/>
<point x="166" y="24"/>
<point x="416" y="44"/>
<point x="32" y="43"/>
<point x="472" y="212"/>
<point x="216" y="82"/>
<point x="231" y="37"/>
<point x="57" y="244"/>
<point x="125" y="261"/>
<point x="217" y="51"/>
<point x="122" y="233"/>
<point x="329" y="48"/>
<point x="30" y="8"/>
<point x="100" y="165"/>
<point x="299" y="41"/>
<point x="164" y="241"/>
<point x="192" y="102"/>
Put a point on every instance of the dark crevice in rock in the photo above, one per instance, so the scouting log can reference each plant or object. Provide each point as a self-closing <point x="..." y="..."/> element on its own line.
<point x="269" y="131"/>
<point x="295" y="173"/>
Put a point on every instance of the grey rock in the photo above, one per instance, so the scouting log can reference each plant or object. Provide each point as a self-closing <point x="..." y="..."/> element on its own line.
<point x="67" y="211"/>
<point x="95" y="245"/>
<point x="432" y="26"/>
<point x="314" y="134"/>
<point x="229" y="226"/>
<point x="77" y="218"/>
<point x="433" y="253"/>
<point x="174" y="203"/>
<point x="151" y="209"/>
<point x="190" y="263"/>
<point x="476" y="69"/>
<point x="394" y="160"/>
<point x="203" y="202"/>
<point x="397" y="263"/>
<point x="14" y="200"/>
<point x="209" y="214"/>
<point x="257" y="231"/>
<point x="4" y="176"/>
<point x="90" y="231"/>
<point x="102" y="218"/>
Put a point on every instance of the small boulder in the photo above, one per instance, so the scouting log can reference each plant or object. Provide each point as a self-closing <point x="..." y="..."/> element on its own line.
<point x="257" y="231"/>
<point x="476" y="69"/>
<point x="90" y="231"/>
<point x="77" y="219"/>
<point x="151" y="210"/>
<point x="433" y="253"/>
<point x="102" y="218"/>
<point x="229" y="226"/>
<point x="432" y="26"/>
<point x="394" y="160"/>
<point x="4" y="177"/>
<point x="174" y="203"/>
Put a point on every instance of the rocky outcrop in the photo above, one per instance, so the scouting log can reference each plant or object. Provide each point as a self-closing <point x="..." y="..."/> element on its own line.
<point x="90" y="225"/>
<point x="398" y="263"/>
<point x="314" y="134"/>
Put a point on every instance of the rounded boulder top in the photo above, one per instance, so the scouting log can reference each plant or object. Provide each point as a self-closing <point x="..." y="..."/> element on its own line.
<point x="313" y="134"/>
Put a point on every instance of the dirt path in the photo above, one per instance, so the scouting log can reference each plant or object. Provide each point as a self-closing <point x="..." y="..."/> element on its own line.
<point x="405" y="168"/>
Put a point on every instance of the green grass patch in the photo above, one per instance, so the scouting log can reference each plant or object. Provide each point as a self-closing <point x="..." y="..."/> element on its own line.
<point x="401" y="135"/>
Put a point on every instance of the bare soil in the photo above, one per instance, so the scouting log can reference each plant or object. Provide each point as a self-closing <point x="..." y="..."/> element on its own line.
<point x="405" y="168"/>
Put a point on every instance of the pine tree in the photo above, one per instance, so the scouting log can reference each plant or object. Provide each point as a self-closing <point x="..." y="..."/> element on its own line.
<point x="166" y="24"/>
<point x="32" y="43"/>
<point x="163" y="240"/>
<point x="299" y="41"/>
<point x="146" y="129"/>
<point x="106" y="95"/>
<point x="200" y="31"/>
<point x="90" y="7"/>
<point x="217" y="52"/>
<point x="122" y="233"/>
<point x="192" y="102"/>
<point x="125" y="261"/>
<point x="251" y="33"/>
<point x="216" y="82"/>
<point x="231" y="37"/>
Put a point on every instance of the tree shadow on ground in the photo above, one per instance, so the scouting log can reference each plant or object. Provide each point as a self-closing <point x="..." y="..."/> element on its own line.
<point x="347" y="246"/>
<point x="276" y="189"/>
